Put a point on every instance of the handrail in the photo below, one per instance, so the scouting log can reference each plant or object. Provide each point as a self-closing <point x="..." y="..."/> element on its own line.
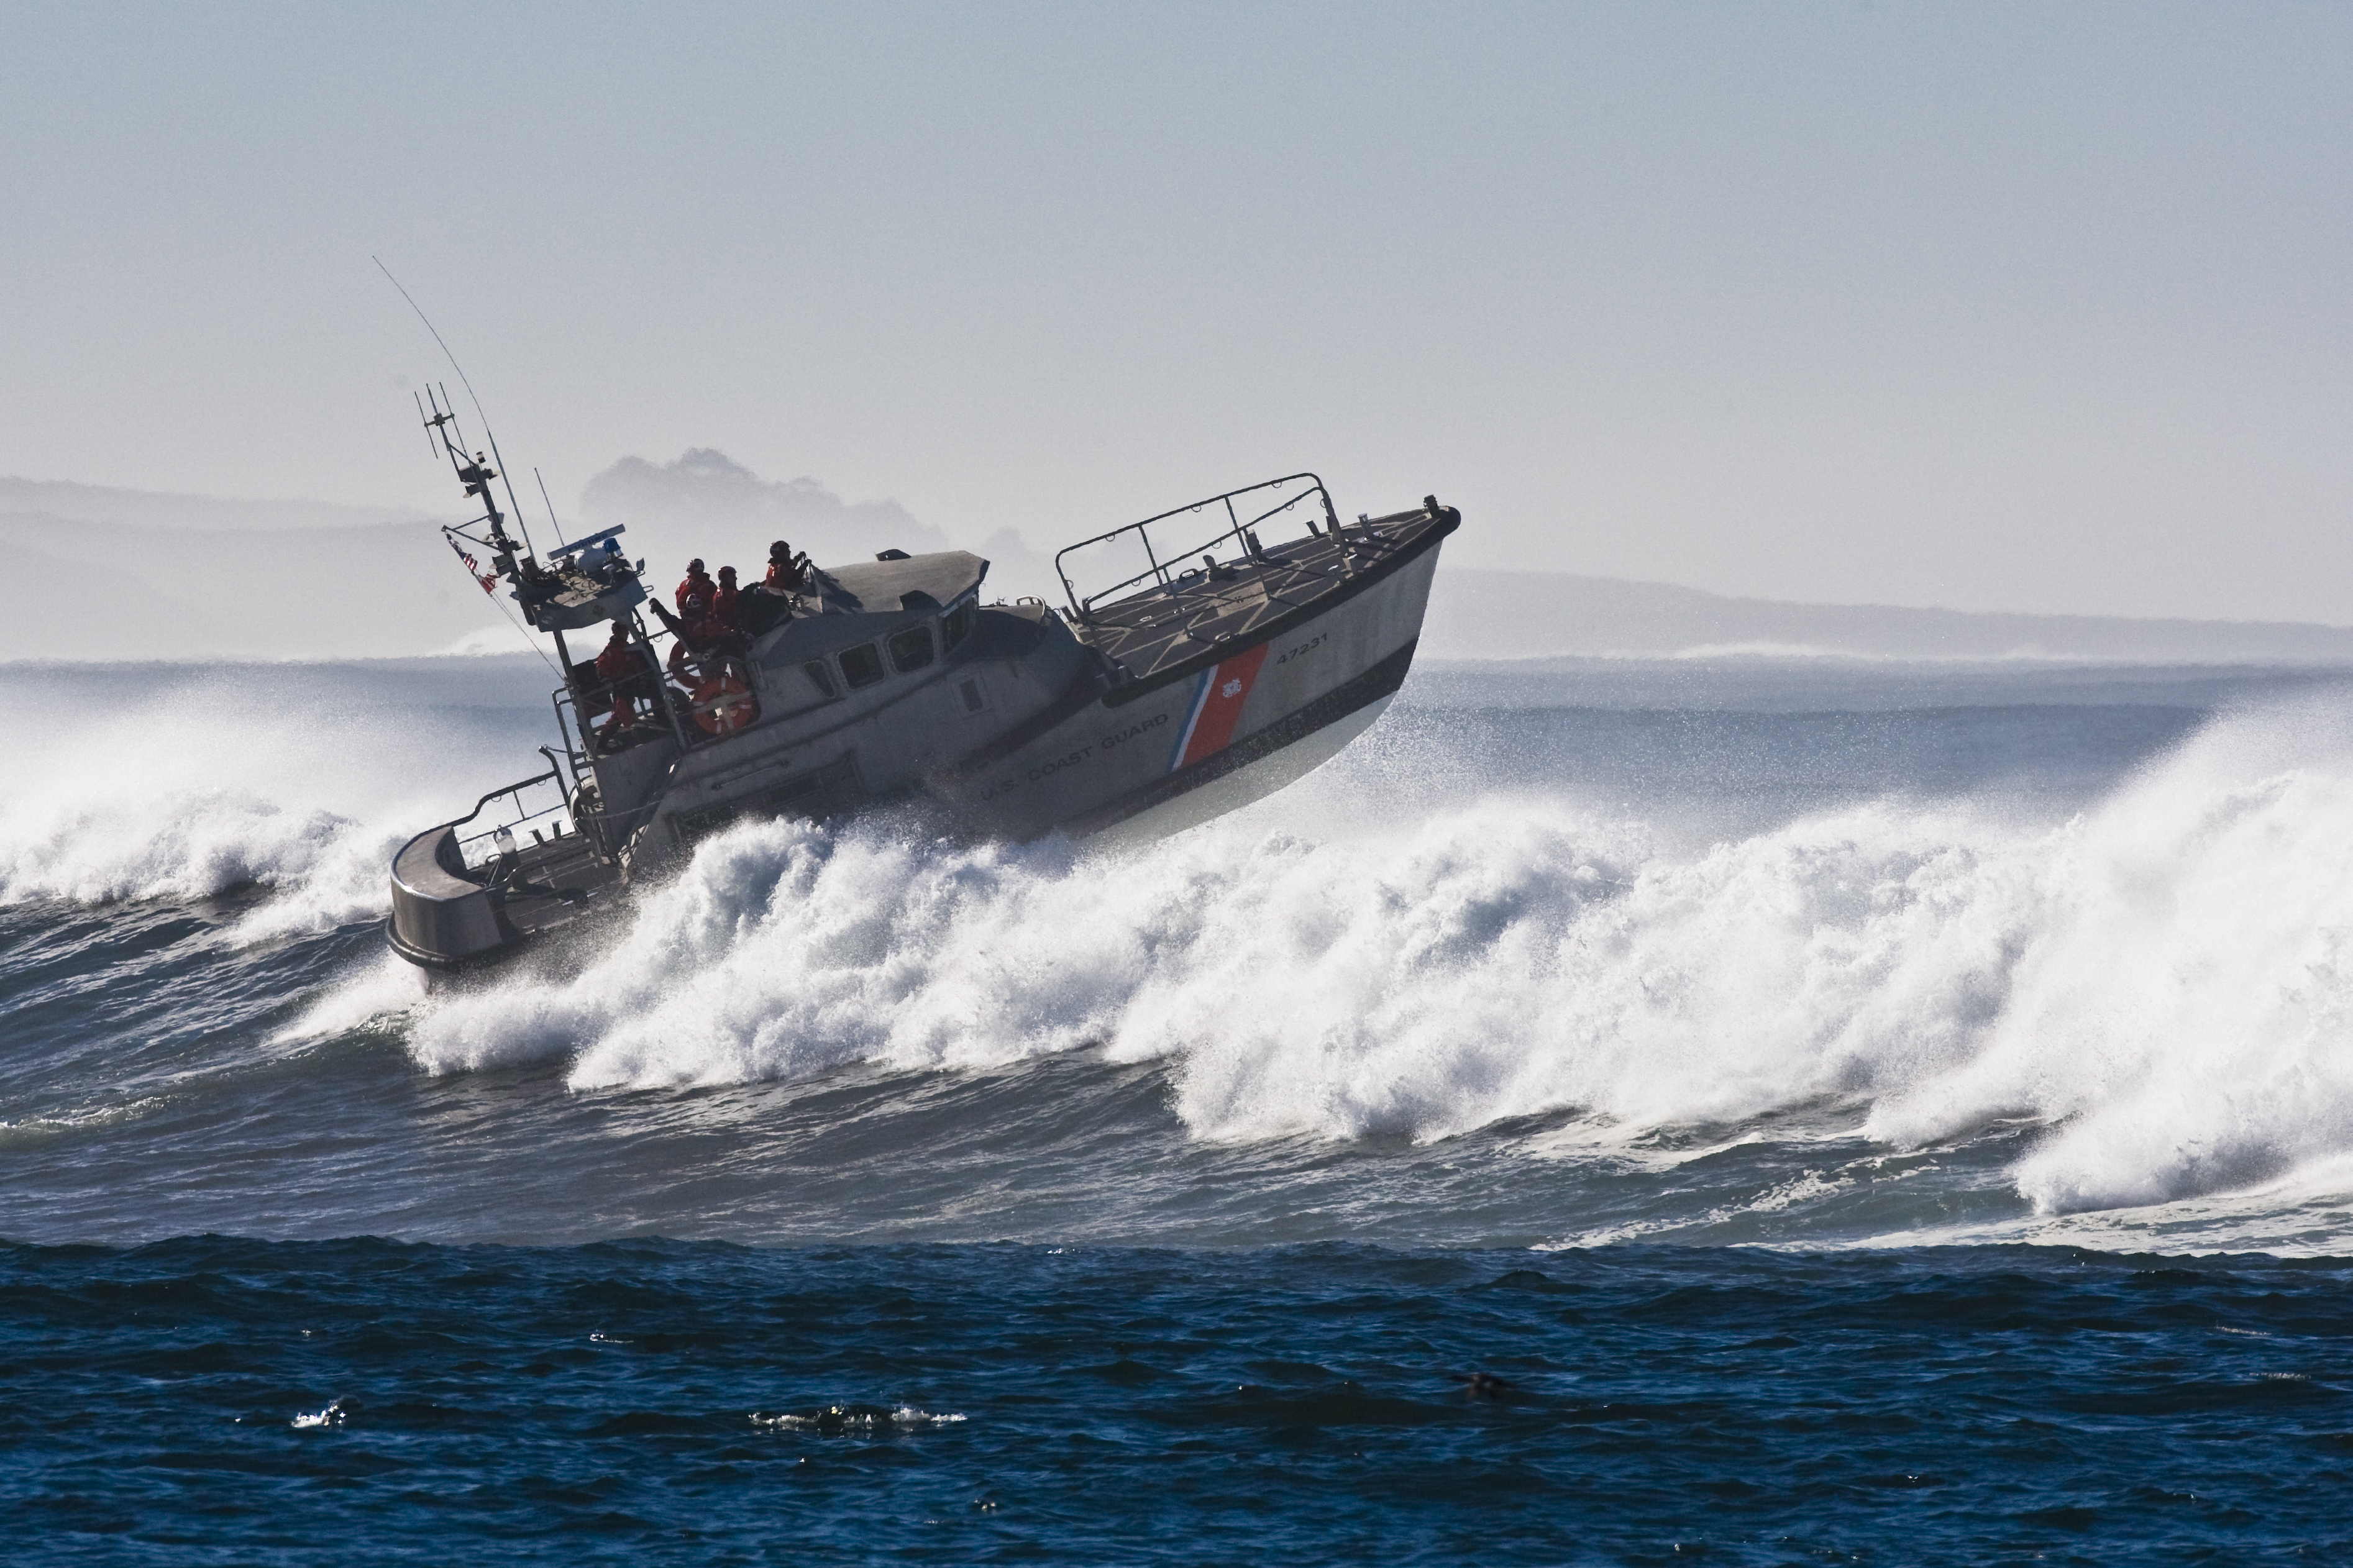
<point x="524" y="818"/>
<point x="588" y="702"/>
<point x="511" y="789"/>
<point x="1159" y="568"/>
<point x="648" y="686"/>
<point x="553" y="775"/>
<point x="645" y="685"/>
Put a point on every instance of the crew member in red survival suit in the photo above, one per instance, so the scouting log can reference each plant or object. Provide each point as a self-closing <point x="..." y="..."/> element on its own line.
<point x="727" y="604"/>
<point x="784" y="576"/>
<point x="614" y="667"/>
<point x="698" y="581"/>
<point x="703" y="641"/>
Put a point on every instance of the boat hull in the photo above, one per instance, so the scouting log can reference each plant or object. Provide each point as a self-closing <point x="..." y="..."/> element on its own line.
<point x="1135" y="755"/>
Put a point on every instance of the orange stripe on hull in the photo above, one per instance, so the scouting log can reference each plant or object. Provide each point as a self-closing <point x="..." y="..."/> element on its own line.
<point x="1218" y="707"/>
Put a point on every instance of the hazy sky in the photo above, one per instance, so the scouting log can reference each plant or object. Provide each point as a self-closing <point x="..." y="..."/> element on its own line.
<point x="2025" y="307"/>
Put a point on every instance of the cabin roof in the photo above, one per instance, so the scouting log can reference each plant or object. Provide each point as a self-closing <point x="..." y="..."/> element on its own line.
<point x="870" y="599"/>
<point x="881" y="587"/>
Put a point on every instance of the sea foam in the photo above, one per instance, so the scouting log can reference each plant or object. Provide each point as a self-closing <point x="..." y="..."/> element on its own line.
<point x="188" y="782"/>
<point x="2163" y="980"/>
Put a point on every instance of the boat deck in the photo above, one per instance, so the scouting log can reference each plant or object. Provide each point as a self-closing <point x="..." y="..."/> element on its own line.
<point x="1163" y="634"/>
<point x="551" y="885"/>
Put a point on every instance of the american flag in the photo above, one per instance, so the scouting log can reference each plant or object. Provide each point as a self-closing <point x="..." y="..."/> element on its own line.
<point x="488" y="580"/>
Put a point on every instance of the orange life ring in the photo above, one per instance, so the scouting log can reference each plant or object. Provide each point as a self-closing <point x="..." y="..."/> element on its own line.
<point x="723" y="706"/>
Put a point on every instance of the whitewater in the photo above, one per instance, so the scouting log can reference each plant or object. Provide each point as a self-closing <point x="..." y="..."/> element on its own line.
<point x="1767" y="950"/>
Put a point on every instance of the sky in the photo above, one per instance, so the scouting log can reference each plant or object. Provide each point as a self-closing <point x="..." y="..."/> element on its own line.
<point x="2016" y="307"/>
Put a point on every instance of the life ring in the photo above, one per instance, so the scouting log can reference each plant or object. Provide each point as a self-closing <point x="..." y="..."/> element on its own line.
<point x="723" y="706"/>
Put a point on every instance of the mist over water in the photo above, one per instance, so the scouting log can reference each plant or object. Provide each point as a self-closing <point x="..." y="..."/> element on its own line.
<point x="1829" y="952"/>
<point x="143" y="782"/>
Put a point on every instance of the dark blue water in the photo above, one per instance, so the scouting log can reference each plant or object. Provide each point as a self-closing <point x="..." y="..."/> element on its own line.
<point x="221" y="1401"/>
<point x="1894" y="1115"/>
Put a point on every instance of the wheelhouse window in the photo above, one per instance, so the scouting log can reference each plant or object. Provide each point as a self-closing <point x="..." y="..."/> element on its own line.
<point x="821" y="676"/>
<point x="910" y="650"/>
<point x="956" y="624"/>
<point x="860" y="665"/>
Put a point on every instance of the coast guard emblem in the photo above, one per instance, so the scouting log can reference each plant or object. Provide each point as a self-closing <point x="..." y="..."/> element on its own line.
<point x="1217" y="707"/>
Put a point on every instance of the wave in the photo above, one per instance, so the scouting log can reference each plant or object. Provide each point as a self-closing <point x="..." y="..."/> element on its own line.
<point x="2163" y="981"/>
<point x="2021" y="659"/>
<point x="2161" y="984"/>
<point x="188" y="782"/>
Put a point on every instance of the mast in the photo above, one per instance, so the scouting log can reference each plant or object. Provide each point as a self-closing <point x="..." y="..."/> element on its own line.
<point x="555" y="595"/>
<point x="518" y="565"/>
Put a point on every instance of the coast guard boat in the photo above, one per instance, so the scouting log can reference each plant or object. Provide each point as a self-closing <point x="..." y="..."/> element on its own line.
<point x="1204" y="657"/>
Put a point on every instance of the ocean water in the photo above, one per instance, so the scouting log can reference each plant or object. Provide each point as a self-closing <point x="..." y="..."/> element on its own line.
<point x="1788" y="1110"/>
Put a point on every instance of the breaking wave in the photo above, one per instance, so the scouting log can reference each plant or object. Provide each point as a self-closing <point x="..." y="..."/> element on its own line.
<point x="190" y="782"/>
<point x="2164" y="981"/>
<point x="189" y="844"/>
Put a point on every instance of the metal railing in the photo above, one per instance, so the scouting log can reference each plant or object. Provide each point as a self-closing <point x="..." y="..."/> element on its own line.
<point x="1166" y="563"/>
<point x="495" y="843"/>
<point x="602" y="832"/>
<point x="656" y="703"/>
<point x="657" y="707"/>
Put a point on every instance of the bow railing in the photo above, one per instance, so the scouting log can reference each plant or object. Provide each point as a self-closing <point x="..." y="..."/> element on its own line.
<point x="1171" y="544"/>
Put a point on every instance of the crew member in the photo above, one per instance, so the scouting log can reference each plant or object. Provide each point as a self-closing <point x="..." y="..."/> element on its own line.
<point x="786" y="576"/>
<point x="727" y="603"/>
<point x="696" y="581"/>
<point x="685" y="664"/>
<point x="615" y="666"/>
<point x="703" y="641"/>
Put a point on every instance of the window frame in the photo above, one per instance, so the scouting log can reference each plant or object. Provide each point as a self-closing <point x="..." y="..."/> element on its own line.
<point x="968" y="608"/>
<point x="922" y="629"/>
<point x="881" y="666"/>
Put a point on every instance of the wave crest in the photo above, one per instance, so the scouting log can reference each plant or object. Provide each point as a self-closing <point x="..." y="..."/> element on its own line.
<point x="2165" y="980"/>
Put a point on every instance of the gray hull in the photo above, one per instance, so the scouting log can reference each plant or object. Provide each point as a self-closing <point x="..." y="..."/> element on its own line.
<point x="1135" y="753"/>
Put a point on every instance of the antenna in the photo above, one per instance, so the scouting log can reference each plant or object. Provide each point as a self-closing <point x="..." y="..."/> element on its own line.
<point x="550" y="505"/>
<point x="504" y="478"/>
<point x="427" y="422"/>
<point x="470" y="395"/>
<point x="421" y="316"/>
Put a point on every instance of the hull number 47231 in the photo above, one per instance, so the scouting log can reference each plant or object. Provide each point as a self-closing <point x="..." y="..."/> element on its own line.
<point x="1311" y="644"/>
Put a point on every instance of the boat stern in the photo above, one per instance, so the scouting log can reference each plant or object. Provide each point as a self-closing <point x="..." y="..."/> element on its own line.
<point x="441" y="918"/>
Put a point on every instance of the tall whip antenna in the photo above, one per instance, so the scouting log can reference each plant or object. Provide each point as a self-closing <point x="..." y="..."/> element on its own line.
<point x="550" y="506"/>
<point x="488" y="432"/>
<point x="421" y="316"/>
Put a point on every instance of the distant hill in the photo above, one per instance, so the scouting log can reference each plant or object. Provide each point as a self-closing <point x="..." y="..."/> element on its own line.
<point x="154" y="509"/>
<point x="352" y="591"/>
<point x="207" y="577"/>
<point x="211" y="577"/>
<point x="182" y="576"/>
<point x="1535" y="614"/>
<point x="706" y="504"/>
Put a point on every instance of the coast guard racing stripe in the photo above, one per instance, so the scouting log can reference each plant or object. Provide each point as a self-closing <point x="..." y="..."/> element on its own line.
<point x="1217" y="706"/>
